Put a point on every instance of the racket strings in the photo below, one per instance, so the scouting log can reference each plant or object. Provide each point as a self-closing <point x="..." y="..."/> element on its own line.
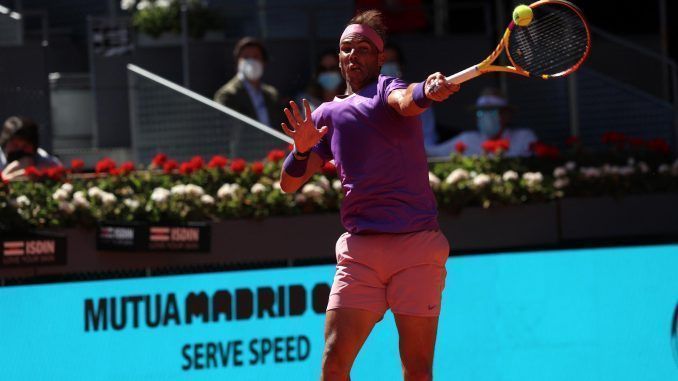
<point x="554" y="42"/>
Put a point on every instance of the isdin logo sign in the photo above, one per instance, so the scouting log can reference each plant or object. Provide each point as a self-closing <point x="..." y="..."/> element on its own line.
<point x="674" y="334"/>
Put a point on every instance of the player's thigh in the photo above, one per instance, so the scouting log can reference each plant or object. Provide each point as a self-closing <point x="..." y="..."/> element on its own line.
<point x="417" y="341"/>
<point x="346" y="330"/>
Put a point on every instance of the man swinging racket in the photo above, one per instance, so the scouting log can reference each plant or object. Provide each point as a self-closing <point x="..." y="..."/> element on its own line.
<point x="393" y="254"/>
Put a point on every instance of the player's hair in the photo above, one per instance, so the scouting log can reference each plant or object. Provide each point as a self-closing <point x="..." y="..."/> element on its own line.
<point x="372" y="18"/>
<point x="19" y="127"/>
<point x="246" y="42"/>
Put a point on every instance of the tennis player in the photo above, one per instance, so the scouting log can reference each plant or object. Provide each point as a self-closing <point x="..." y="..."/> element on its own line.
<point x="393" y="254"/>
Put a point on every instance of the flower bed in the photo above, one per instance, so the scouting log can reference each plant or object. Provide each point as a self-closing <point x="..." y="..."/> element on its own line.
<point x="168" y="191"/>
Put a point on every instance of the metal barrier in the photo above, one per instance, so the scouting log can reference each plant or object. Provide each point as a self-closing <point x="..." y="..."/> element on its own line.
<point x="168" y="118"/>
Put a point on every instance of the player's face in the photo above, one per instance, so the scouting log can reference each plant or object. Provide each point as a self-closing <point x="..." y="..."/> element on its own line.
<point x="359" y="61"/>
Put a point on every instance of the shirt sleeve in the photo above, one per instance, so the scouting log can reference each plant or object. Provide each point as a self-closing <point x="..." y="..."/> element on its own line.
<point x="388" y="84"/>
<point x="323" y="148"/>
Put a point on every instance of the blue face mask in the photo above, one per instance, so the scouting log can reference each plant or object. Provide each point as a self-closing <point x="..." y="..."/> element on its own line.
<point x="391" y="69"/>
<point x="489" y="123"/>
<point x="329" y="80"/>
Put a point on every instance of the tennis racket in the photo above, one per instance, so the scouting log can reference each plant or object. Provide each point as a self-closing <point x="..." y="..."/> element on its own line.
<point x="554" y="44"/>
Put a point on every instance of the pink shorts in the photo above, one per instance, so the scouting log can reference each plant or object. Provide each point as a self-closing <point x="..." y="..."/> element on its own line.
<point x="404" y="272"/>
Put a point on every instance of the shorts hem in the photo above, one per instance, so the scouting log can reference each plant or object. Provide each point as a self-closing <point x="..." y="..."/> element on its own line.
<point x="339" y="307"/>
<point x="416" y="314"/>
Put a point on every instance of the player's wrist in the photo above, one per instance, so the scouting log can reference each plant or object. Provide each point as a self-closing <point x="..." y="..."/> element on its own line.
<point x="419" y="96"/>
<point x="301" y="155"/>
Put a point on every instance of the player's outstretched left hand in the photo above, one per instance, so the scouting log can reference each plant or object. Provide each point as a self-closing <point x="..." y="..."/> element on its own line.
<point x="437" y="88"/>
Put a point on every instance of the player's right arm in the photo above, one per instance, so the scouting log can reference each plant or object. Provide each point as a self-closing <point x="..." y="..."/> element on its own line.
<point x="301" y="163"/>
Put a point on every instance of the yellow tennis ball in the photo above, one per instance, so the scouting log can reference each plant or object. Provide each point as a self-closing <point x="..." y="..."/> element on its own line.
<point x="522" y="15"/>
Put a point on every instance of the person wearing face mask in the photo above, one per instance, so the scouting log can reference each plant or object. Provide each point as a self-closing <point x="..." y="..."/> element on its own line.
<point x="326" y="83"/>
<point x="245" y="92"/>
<point x="493" y="115"/>
<point x="19" y="148"/>
<point x="393" y="68"/>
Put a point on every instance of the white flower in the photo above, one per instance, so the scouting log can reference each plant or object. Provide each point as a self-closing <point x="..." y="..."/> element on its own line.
<point x="590" y="172"/>
<point x="143" y="4"/>
<point x="194" y="190"/>
<point x="179" y="190"/>
<point x="23" y="201"/>
<point x="560" y="172"/>
<point x="276" y="186"/>
<point x="126" y="5"/>
<point x="336" y="185"/>
<point x="131" y="203"/>
<point x="229" y="191"/>
<point x="323" y="182"/>
<point x="66" y="207"/>
<point x="299" y="198"/>
<point x="108" y="199"/>
<point x="481" y="180"/>
<point x="79" y="200"/>
<point x="94" y="192"/>
<point x="433" y="181"/>
<point x="207" y="199"/>
<point x="664" y="168"/>
<point x="571" y="165"/>
<point x="60" y="195"/>
<point x="162" y="3"/>
<point x="626" y="170"/>
<point x="160" y="195"/>
<point x="68" y="187"/>
<point x="312" y="190"/>
<point x="457" y="175"/>
<point x="258" y="188"/>
<point x="510" y="175"/>
<point x="644" y="168"/>
<point x="533" y="178"/>
<point x="561" y="183"/>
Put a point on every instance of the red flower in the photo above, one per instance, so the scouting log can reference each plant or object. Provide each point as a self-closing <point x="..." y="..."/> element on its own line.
<point x="496" y="146"/>
<point x="197" y="162"/>
<point x="218" y="161"/>
<point x="126" y="167"/>
<point x="329" y="169"/>
<point x="33" y="172"/>
<point x="115" y="172"/>
<point x="257" y="168"/>
<point x="544" y="150"/>
<point x="460" y="147"/>
<point x="186" y="168"/>
<point x="616" y="138"/>
<point x="276" y="155"/>
<point x="55" y="173"/>
<point x="238" y="165"/>
<point x="105" y="165"/>
<point x="159" y="160"/>
<point x="659" y="146"/>
<point x="170" y="165"/>
<point x="77" y="164"/>
<point x="573" y="141"/>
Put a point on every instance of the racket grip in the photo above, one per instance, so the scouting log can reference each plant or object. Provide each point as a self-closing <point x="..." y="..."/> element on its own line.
<point x="464" y="75"/>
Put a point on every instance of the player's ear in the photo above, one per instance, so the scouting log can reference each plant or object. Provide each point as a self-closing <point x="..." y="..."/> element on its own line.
<point x="381" y="58"/>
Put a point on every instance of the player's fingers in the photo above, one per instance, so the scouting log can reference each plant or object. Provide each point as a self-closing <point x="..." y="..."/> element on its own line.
<point x="287" y="131"/>
<point x="307" y="109"/>
<point x="290" y="118"/>
<point x="296" y="112"/>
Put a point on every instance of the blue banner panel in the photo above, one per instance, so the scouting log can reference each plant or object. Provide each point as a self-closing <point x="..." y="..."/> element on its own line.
<point x="593" y="314"/>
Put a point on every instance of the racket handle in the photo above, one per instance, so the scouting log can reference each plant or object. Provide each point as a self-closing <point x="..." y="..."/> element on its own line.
<point x="464" y="75"/>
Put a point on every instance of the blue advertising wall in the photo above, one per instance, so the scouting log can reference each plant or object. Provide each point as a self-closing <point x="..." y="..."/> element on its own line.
<point x="593" y="314"/>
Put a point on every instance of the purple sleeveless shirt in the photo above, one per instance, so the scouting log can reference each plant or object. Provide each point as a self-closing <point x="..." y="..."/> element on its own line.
<point x="380" y="160"/>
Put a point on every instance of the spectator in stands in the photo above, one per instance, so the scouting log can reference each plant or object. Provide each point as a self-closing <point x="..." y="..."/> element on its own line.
<point x="393" y="67"/>
<point x="245" y="92"/>
<point x="326" y="82"/>
<point x="19" y="148"/>
<point x="493" y="116"/>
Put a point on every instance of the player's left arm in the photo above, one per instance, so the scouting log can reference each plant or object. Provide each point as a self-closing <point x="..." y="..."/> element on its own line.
<point x="418" y="96"/>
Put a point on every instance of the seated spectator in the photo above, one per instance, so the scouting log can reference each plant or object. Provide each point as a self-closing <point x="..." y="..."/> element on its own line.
<point x="245" y="92"/>
<point x="493" y="115"/>
<point x="326" y="82"/>
<point x="393" y="67"/>
<point x="19" y="148"/>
